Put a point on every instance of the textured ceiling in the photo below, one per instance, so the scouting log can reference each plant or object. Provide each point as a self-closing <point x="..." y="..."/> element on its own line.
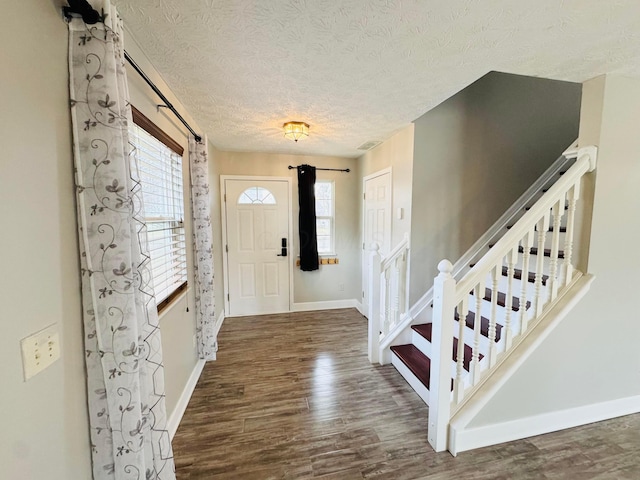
<point x="359" y="70"/>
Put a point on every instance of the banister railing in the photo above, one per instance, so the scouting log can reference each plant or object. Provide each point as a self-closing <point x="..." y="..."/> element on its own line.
<point x="463" y="302"/>
<point x="388" y="293"/>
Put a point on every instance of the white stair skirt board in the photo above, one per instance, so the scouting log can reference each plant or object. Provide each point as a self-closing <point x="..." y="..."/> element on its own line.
<point x="540" y="424"/>
<point x="508" y="366"/>
<point x="411" y="379"/>
<point x="326" y="305"/>
<point x="183" y="401"/>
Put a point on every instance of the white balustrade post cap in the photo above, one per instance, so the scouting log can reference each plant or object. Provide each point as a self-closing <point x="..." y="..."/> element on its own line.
<point x="375" y="247"/>
<point x="445" y="266"/>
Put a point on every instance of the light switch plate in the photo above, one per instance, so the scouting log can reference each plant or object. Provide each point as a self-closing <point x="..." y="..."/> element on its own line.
<point x="40" y="350"/>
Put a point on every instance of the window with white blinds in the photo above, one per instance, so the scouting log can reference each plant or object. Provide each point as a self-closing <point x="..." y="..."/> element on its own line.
<point x="160" y="171"/>
<point x="325" y="217"/>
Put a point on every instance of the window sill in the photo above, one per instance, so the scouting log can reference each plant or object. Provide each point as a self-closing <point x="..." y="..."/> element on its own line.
<point x="172" y="300"/>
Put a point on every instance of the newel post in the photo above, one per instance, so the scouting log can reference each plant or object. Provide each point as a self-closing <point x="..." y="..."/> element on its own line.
<point x="444" y="292"/>
<point x="375" y="269"/>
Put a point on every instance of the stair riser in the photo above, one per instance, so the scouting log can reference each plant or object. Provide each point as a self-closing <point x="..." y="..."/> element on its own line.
<point x="516" y="287"/>
<point x="411" y="379"/>
<point x="501" y="312"/>
<point x="425" y="347"/>
<point x="533" y="264"/>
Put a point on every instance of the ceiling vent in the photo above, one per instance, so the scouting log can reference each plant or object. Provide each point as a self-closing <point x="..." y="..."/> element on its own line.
<point x="369" y="145"/>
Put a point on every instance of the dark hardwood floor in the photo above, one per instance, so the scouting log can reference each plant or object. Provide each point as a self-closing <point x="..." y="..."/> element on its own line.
<point x="293" y="396"/>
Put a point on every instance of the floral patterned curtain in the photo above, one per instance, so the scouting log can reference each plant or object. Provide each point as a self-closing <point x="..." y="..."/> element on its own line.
<point x="125" y="376"/>
<point x="203" y="255"/>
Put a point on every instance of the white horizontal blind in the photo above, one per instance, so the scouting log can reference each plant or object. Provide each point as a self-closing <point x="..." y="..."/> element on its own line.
<point x="325" y="208"/>
<point x="160" y="170"/>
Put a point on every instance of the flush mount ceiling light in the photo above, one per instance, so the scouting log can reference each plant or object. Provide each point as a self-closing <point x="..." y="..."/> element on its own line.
<point x="296" y="130"/>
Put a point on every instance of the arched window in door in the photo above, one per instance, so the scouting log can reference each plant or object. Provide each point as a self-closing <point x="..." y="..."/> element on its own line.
<point x="256" y="195"/>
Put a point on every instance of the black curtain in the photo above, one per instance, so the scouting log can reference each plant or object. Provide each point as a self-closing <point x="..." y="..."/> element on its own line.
<point x="307" y="218"/>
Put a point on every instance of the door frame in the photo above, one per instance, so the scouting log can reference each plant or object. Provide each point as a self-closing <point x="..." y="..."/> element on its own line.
<point x="223" y="217"/>
<point x="366" y="248"/>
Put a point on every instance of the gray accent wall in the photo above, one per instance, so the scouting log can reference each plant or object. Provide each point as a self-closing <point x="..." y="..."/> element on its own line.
<point x="592" y="356"/>
<point x="475" y="154"/>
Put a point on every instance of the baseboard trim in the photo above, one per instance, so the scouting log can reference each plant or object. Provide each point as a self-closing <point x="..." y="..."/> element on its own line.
<point x="359" y="307"/>
<point x="326" y="305"/>
<point x="545" y="423"/>
<point x="183" y="401"/>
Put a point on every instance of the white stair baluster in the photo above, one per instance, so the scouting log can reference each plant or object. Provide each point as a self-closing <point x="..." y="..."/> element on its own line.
<point x="557" y="211"/>
<point x="402" y="293"/>
<point x="508" y="333"/>
<point x="475" y="357"/>
<point x="493" y="352"/>
<point x="567" y="267"/>
<point x="396" y="291"/>
<point x="458" y="386"/>
<point x="387" y="301"/>
<point x="526" y="249"/>
<point x="543" y="226"/>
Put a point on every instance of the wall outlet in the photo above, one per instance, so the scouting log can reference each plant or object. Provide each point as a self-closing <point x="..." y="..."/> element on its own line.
<point x="341" y="287"/>
<point x="40" y="350"/>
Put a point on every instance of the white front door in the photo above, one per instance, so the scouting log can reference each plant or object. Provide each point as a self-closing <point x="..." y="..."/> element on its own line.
<point x="257" y="236"/>
<point x="377" y="222"/>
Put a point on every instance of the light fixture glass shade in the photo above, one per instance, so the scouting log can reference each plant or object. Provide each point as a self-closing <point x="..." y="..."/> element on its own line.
<point x="296" y="130"/>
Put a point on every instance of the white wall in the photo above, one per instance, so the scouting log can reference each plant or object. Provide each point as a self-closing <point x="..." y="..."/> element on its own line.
<point x="592" y="357"/>
<point x="397" y="153"/>
<point x="323" y="284"/>
<point x="475" y="154"/>
<point x="44" y="431"/>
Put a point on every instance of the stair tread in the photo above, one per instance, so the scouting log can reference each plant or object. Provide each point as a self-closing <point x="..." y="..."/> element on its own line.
<point x="517" y="274"/>
<point x="502" y="300"/>
<point x="547" y="251"/>
<point x="415" y="360"/>
<point x="484" y="324"/>
<point x="425" y="329"/>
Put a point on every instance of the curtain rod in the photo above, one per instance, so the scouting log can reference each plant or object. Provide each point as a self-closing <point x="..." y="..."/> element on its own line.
<point x="166" y="101"/>
<point x="327" y="169"/>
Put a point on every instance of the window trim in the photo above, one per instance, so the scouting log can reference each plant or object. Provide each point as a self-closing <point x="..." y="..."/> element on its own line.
<point x="152" y="129"/>
<point x="155" y="131"/>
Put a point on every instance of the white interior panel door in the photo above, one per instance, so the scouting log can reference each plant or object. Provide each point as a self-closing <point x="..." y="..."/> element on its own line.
<point x="377" y="223"/>
<point x="257" y="215"/>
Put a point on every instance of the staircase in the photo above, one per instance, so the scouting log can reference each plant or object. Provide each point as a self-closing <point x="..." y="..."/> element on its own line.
<point x="412" y="360"/>
<point x="506" y="286"/>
